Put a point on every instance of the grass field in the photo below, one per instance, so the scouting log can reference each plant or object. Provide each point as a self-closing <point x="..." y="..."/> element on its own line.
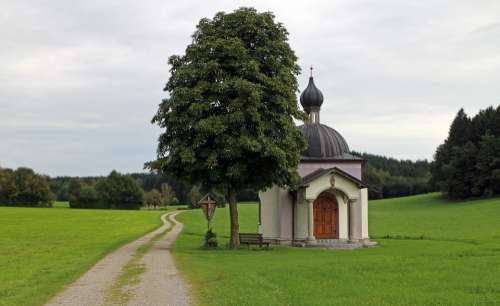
<point x="431" y="252"/>
<point x="42" y="249"/>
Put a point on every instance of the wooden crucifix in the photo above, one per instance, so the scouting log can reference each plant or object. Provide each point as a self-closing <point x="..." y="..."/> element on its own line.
<point x="208" y="204"/>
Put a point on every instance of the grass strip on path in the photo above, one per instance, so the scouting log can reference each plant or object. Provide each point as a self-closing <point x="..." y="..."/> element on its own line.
<point x="132" y="271"/>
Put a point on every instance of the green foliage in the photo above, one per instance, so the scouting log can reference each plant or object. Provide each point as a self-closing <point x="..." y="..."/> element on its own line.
<point x="389" y="177"/>
<point x="148" y="182"/>
<point x="488" y="166"/>
<point x="43" y="250"/>
<point x="114" y="191"/>
<point x="433" y="253"/>
<point x="120" y="191"/>
<point x="153" y="199"/>
<point x="228" y="119"/>
<point x="210" y="240"/>
<point x="8" y="189"/>
<point x="23" y="187"/>
<point x="74" y="189"/>
<point x="168" y="196"/>
<point x="88" y="198"/>
<point x="194" y="196"/>
<point x="467" y="164"/>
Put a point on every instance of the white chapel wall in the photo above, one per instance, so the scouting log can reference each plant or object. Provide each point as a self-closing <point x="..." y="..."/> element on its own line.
<point x="270" y="226"/>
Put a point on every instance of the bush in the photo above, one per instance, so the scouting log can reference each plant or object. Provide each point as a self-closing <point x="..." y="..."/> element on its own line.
<point x="153" y="199"/>
<point x="194" y="196"/>
<point x="210" y="240"/>
<point x="168" y="196"/>
<point x="120" y="191"/>
<point x="23" y="187"/>
<point x="88" y="198"/>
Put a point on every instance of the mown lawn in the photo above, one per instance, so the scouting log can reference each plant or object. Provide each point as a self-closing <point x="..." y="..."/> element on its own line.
<point x="432" y="252"/>
<point x="42" y="249"/>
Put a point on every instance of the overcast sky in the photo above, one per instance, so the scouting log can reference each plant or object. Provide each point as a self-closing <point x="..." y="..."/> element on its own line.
<point x="80" y="80"/>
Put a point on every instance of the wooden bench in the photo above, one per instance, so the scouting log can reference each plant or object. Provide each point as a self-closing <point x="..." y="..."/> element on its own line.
<point x="253" y="238"/>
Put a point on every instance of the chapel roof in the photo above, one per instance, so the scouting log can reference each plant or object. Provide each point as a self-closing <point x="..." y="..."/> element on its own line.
<point x="323" y="142"/>
<point x="307" y="179"/>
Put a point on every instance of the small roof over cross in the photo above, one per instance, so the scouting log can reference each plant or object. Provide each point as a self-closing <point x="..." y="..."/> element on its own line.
<point x="208" y="198"/>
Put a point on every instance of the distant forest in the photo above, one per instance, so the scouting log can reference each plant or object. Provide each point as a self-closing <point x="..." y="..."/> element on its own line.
<point x="467" y="164"/>
<point x="388" y="177"/>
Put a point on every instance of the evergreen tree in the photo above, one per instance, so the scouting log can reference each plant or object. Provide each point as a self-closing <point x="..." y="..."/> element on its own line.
<point x="458" y="136"/>
<point x="460" y="130"/>
<point x="472" y="168"/>
<point x="488" y="166"/>
<point x="481" y="124"/>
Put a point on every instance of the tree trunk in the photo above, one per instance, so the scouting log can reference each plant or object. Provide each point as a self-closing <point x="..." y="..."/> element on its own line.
<point x="233" y="214"/>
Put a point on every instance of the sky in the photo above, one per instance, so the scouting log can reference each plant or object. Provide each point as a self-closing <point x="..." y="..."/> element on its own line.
<point x="81" y="80"/>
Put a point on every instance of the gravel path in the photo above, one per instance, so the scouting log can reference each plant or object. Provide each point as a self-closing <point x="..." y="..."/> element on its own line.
<point x="159" y="285"/>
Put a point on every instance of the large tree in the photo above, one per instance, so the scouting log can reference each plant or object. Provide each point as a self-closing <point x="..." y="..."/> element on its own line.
<point x="229" y="117"/>
<point x="467" y="164"/>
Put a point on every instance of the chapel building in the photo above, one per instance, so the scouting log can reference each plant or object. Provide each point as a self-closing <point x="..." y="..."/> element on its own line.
<point x="330" y="206"/>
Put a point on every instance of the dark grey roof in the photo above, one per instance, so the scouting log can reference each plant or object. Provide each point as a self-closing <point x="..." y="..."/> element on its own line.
<point x="324" y="143"/>
<point x="306" y="180"/>
<point x="311" y="97"/>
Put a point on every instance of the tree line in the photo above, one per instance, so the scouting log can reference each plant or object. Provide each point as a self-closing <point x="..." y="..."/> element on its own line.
<point x="158" y="190"/>
<point x="23" y="187"/>
<point x="467" y="164"/>
<point x="389" y="177"/>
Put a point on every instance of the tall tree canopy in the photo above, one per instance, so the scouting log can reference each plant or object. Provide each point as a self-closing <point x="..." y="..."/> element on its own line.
<point x="467" y="164"/>
<point x="229" y="119"/>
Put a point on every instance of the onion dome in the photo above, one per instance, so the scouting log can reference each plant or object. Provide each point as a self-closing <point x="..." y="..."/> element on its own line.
<point x="323" y="142"/>
<point x="311" y="98"/>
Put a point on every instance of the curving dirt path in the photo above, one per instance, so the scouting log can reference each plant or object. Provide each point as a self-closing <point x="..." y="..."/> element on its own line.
<point x="158" y="283"/>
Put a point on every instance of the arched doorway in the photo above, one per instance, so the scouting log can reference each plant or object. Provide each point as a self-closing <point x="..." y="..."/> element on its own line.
<point x="325" y="216"/>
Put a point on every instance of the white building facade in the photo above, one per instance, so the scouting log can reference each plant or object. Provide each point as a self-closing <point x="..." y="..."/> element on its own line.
<point x="331" y="204"/>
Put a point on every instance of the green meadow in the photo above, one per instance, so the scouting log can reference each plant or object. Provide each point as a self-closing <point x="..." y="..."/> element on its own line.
<point x="42" y="249"/>
<point x="431" y="252"/>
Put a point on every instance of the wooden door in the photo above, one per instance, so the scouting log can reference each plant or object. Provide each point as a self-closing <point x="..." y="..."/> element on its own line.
<point x="325" y="217"/>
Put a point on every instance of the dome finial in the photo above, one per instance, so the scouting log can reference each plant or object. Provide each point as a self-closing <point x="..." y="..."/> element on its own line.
<point x="311" y="99"/>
